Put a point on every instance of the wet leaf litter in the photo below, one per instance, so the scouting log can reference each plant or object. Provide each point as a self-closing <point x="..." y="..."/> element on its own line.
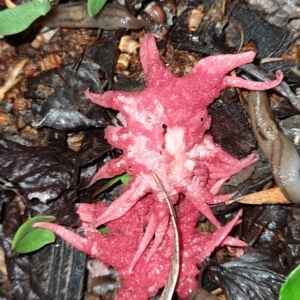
<point x="37" y="137"/>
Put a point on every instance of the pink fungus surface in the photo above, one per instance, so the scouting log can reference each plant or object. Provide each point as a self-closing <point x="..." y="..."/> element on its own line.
<point x="164" y="131"/>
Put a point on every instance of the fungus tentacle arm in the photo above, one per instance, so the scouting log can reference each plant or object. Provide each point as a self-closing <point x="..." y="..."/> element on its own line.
<point x="159" y="234"/>
<point x="137" y="189"/>
<point x="231" y="241"/>
<point x="230" y="81"/>
<point x="223" y="64"/>
<point x="150" y="59"/>
<point x="69" y="236"/>
<point x="222" y="233"/>
<point x="149" y="233"/>
<point x="111" y="169"/>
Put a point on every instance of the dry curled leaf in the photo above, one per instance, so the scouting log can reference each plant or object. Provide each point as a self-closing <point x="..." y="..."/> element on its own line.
<point x="270" y="196"/>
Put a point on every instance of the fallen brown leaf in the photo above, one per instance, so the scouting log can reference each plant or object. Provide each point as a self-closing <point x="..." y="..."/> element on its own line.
<point x="270" y="196"/>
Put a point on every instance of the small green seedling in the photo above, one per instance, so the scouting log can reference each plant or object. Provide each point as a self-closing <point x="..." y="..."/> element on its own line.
<point x="291" y="288"/>
<point x="28" y="239"/>
<point x="94" y="6"/>
<point x="103" y="229"/>
<point x="19" y="18"/>
<point x="124" y="178"/>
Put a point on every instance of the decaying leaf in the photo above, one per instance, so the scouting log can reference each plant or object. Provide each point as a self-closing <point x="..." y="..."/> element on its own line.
<point x="256" y="28"/>
<point x="41" y="173"/>
<point x="60" y="101"/>
<point x="253" y="276"/>
<point x="93" y="146"/>
<point x="231" y="128"/>
<point x="106" y="56"/>
<point x="269" y="196"/>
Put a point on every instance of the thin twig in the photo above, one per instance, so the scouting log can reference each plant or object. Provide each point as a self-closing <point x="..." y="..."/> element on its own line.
<point x="168" y="291"/>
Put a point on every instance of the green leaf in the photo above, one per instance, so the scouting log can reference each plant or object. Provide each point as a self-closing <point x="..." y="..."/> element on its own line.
<point x="291" y="288"/>
<point x="17" y="19"/>
<point x="104" y="229"/>
<point x="94" y="6"/>
<point x="28" y="238"/>
<point x="125" y="178"/>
